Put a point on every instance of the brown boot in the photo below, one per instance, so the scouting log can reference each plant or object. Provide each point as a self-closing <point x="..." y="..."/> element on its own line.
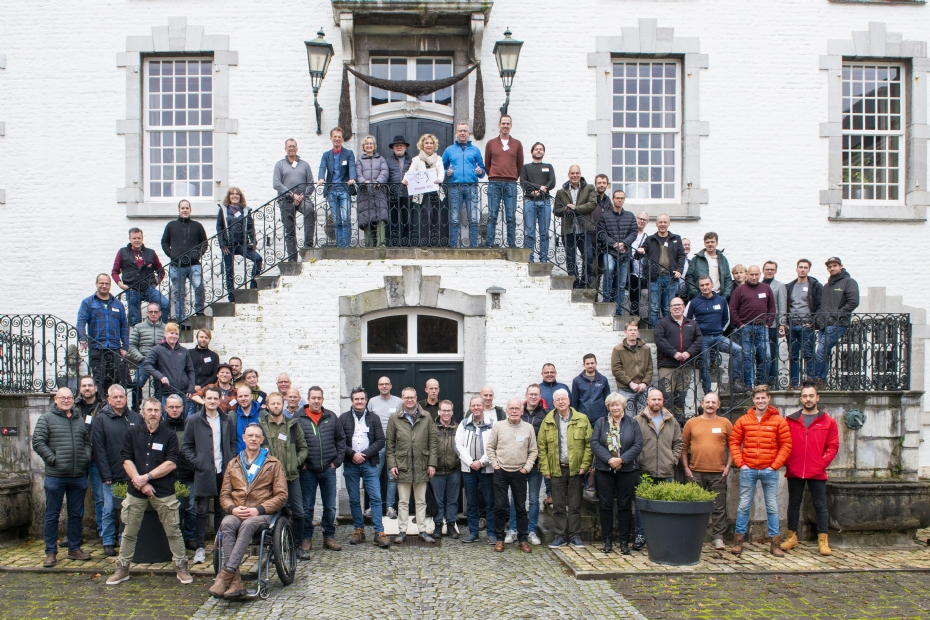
<point x="120" y="574"/>
<point x="183" y="572"/>
<point x="221" y="583"/>
<point x="306" y="544"/>
<point x="776" y="547"/>
<point x="357" y="537"/>
<point x="330" y="543"/>
<point x="737" y="544"/>
<point x="382" y="541"/>
<point x="78" y="554"/>
<point x="791" y="541"/>
<point x="51" y="559"/>
<point x="822" y="545"/>
<point x="235" y="589"/>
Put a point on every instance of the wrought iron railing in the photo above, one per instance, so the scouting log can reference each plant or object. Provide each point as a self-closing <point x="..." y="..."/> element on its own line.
<point x="838" y="352"/>
<point x="384" y="215"/>
<point x="40" y="353"/>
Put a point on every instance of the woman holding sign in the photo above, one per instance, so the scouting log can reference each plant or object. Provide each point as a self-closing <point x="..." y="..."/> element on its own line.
<point x="372" y="172"/>
<point x="425" y="213"/>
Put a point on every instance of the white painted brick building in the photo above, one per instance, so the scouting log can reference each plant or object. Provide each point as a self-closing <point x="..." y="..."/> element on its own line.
<point x="758" y="157"/>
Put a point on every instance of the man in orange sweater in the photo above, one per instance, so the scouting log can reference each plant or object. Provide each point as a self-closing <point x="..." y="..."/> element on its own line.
<point x="760" y="444"/>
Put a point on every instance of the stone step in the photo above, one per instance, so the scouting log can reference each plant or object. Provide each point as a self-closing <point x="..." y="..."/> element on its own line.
<point x="602" y="308"/>
<point x="266" y="282"/>
<point x="198" y="322"/>
<point x="584" y="295"/>
<point x="561" y="283"/>
<point x="224" y="309"/>
<point x="246" y="295"/>
<point x="291" y="269"/>
<point x="538" y="270"/>
<point x="621" y="321"/>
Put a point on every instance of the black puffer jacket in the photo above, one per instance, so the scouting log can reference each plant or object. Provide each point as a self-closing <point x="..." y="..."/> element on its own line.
<point x="326" y="442"/>
<point x="534" y="417"/>
<point x="672" y="338"/>
<point x="107" y="434"/>
<point x="613" y="227"/>
<point x="174" y="363"/>
<point x="63" y="443"/>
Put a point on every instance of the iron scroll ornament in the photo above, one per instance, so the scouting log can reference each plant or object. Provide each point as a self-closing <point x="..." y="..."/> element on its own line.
<point x="854" y="419"/>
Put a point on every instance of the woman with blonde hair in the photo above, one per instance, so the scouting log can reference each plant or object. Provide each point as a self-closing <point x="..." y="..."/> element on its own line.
<point x="371" y="171"/>
<point x="425" y="210"/>
<point x="739" y="274"/>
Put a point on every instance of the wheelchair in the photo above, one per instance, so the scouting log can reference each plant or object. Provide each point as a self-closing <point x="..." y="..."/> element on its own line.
<point x="274" y="544"/>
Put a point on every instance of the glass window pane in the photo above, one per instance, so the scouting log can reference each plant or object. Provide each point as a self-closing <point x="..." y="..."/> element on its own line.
<point x="436" y="334"/>
<point x="388" y="335"/>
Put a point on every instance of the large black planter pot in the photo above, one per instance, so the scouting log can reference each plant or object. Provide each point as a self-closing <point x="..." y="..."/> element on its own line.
<point x="674" y="530"/>
<point x="151" y="544"/>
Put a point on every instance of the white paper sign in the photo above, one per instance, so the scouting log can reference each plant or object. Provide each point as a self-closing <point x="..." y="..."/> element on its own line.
<point x="157" y="446"/>
<point x="421" y="181"/>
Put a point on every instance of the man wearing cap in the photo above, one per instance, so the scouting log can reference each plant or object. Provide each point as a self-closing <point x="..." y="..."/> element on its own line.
<point x="398" y="200"/>
<point x="224" y="383"/>
<point x="503" y="157"/>
<point x="839" y="298"/>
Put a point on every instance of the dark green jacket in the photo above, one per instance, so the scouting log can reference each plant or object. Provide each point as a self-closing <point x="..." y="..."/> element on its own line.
<point x="292" y="450"/>
<point x="700" y="267"/>
<point x="411" y="449"/>
<point x="63" y="443"/>
<point x="447" y="459"/>
<point x="587" y="202"/>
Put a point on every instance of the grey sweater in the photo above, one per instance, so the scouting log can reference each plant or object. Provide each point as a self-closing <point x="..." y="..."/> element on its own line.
<point x="288" y="177"/>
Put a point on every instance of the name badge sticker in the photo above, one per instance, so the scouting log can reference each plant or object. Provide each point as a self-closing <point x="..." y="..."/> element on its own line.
<point x="207" y="360"/>
<point x="761" y="295"/>
<point x="114" y="309"/>
<point x="521" y="438"/>
<point x="282" y="436"/>
<point x="253" y="469"/>
<point x="88" y="419"/>
<point x="545" y="170"/>
<point x="157" y="446"/>
<point x="293" y="164"/>
<point x="716" y="430"/>
<point x="717" y="307"/>
<point x="804" y="289"/>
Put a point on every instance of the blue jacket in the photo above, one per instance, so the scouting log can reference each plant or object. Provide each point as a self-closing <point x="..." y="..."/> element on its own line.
<point x="588" y="395"/>
<point x="104" y="322"/>
<point x="713" y="315"/>
<point x="462" y="160"/>
<point x="546" y="390"/>
<point x="243" y="420"/>
<point x="345" y="162"/>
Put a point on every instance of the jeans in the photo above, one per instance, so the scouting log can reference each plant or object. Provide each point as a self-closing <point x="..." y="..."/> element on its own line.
<point x="747" y="486"/>
<point x="107" y="524"/>
<point x="391" y="481"/>
<point x="534" y="482"/>
<point x="229" y="264"/>
<point x="818" y="491"/>
<point x="289" y="218"/>
<point x="616" y="486"/>
<point x="467" y="193"/>
<point x="515" y="483"/>
<point x="536" y="216"/>
<point x="475" y="482"/>
<point x="340" y="204"/>
<point x="96" y="485"/>
<point x="661" y="291"/>
<point x="188" y="515"/>
<point x="720" y="344"/>
<point x="772" y="377"/>
<point x="149" y="295"/>
<point x="369" y="476"/>
<point x="132" y="513"/>
<point x="446" y="492"/>
<point x="637" y="517"/>
<point x="326" y="481"/>
<point x="827" y="339"/>
<point x="498" y="192"/>
<point x="178" y="275"/>
<point x="582" y="243"/>
<point x="755" y="354"/>
<point x="616" y="273"/>
<point x="800" y="343"/>
<point x="141" y="378"/>
<point x="56" y="489"/>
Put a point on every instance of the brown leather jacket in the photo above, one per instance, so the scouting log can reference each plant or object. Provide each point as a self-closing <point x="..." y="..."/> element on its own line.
<point x="268" y="491"/>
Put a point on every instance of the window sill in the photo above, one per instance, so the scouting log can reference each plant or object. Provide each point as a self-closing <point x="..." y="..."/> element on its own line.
<point x="884" y="213"/>
<point x="163" y="210"/>
<point x="878" y="1"/>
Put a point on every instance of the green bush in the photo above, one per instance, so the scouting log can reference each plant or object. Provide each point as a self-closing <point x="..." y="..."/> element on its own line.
<point x="181" y="490"/>
<point x="119" y="489"/>
<point x="672" y="491"/>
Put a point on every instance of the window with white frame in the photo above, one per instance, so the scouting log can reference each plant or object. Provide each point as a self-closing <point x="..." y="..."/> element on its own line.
<point x="646" y="130"/>
<point x="420" y="69"/>
<point x="178" y="116"/>
<point x="873" y="132"/>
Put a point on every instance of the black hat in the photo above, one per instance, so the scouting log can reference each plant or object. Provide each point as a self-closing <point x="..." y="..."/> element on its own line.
<point x="834" y="259"/>
<point x="398" y="140"/>
<point x="224" y="365"/>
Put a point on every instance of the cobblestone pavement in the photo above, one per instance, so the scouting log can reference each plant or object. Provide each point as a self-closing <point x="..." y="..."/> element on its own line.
<point x="590" y="563"/>
<point x="770" y="597"/>
<point x="454" y="581"/>
<point x="86" y="597"/>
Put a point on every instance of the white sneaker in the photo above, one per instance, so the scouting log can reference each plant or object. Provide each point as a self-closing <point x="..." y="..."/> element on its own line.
<point x="367" y="513"/>
<point x="718" y="544"/>
<point x="391" y="513"/>
<point x="200" y="556"/>
<point x="510" y="537"/>
<point x="534" y="539"/>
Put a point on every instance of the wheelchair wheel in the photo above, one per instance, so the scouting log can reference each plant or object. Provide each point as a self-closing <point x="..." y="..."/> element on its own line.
<point x="217" y="556"/>
<point x="285" y="551"/>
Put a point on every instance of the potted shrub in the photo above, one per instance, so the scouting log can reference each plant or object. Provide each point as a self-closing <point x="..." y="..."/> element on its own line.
<point x="675" y="518"/>
<point x="151" y="544"/>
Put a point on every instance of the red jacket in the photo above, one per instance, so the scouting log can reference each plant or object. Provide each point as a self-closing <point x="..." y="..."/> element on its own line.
<point x="760" y="444"/>
<point x="813" y="448"/>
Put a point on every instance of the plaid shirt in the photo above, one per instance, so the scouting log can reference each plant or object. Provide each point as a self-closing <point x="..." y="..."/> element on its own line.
<point x="103" y="322"/>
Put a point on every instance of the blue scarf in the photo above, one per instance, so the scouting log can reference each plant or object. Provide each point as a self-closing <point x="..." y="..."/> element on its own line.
<point x="251" y="472"/>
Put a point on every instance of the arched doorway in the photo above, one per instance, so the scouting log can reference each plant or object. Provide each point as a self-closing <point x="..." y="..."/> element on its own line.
<point x="412" y="345"/>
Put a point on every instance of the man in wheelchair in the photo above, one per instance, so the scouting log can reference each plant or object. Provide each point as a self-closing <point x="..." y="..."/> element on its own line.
<point x="254" y="489"/>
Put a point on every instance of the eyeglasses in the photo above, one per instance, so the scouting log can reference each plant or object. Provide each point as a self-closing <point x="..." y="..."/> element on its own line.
<point x="66" y="398"/>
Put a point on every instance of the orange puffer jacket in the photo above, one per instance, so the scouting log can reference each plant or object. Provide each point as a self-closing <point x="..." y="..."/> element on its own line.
<point x="760" y="444"/>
